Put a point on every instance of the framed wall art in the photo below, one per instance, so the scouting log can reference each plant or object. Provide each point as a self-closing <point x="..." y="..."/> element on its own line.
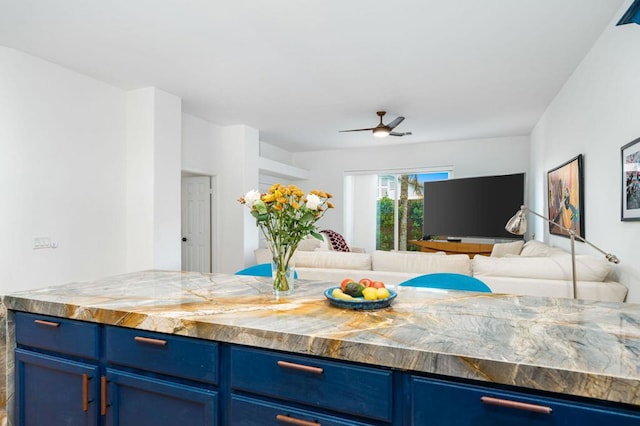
<point x="566" y="197"/>
<point x="631" y="181"/>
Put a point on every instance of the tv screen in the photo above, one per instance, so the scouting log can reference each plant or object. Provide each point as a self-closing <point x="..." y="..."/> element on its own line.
<point x="472" y="207"/>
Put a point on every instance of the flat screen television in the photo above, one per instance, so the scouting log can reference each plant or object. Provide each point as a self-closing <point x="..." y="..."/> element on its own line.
<point x="476" y="207"/>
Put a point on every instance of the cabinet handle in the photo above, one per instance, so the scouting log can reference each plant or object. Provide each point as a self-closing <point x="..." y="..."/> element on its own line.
<point x="300" y="367"/>
<point x="85" y="392"/>
<point x="47" y="323"/>
<point x="517" y="405"/>
<point x="103" y="396"/>
<point x="157" y="342"/>
<point x="293" y="421"/>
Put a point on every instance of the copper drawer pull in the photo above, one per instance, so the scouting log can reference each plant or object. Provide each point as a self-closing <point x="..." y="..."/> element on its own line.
<point x="85" y="392"/>
<point x="157" y="342"/>
<point x="103" y="396"/>
<point x="293" y="421"/>
<point x="517" y="405"/>
<point x="47" y="323"/>
<point x="300" y="367"/>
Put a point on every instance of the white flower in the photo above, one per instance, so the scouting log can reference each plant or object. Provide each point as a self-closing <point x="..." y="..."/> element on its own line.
<point x="251" y="198"/>
<point x="313" y="201"/>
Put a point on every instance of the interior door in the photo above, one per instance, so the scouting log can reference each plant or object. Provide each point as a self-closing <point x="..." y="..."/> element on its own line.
<point x="196" y="223"/>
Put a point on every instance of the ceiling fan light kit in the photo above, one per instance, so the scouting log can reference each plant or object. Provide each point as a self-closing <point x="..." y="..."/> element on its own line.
<point x="383" y="130"/>
<point x="380" y="132"/>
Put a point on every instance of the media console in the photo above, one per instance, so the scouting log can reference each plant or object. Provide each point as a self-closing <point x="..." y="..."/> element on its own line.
<point x="450" y="247"/>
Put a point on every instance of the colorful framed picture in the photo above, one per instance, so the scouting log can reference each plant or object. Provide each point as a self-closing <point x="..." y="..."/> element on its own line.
<point x="566" y="198"/>
<point x="630" y="181"/>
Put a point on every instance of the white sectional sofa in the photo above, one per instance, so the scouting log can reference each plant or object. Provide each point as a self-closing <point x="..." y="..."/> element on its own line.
<point x="535" y="269"/>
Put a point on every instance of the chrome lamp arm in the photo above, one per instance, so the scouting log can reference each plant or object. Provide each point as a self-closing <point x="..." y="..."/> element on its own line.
<point x="517" y="225"/>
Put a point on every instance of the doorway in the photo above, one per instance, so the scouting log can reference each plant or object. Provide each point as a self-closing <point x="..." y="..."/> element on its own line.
<point x="197" y="195"/>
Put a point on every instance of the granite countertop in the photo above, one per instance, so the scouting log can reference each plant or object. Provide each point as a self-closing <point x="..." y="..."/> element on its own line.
<point x="578" y="348"/>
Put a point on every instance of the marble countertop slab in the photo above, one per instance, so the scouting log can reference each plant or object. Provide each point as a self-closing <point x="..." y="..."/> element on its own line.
<point x="580" y="348"/>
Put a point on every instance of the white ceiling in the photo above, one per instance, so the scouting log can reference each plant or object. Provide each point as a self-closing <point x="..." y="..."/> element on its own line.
<point x="301" y="70"/>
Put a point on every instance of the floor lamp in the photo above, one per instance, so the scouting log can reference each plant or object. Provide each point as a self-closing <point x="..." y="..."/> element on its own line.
<point x="517" y="225"/>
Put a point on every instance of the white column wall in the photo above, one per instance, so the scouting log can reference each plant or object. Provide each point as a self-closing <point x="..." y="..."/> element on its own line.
<point x="139" y="190"/>
<point x="167" y="185"/>
<point x="153" y="180"/>
<point x="238" y="173"/>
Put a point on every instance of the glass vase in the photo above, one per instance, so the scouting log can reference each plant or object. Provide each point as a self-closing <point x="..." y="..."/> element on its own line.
<point x="283" y="275"/>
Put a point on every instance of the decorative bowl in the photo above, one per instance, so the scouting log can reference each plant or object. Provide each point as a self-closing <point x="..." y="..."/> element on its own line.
<point x="359" y="303"/>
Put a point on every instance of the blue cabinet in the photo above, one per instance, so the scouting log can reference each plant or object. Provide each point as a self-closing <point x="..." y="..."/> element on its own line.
<point x="438" y="402"/>
<point x="346" y="389"/>
<point x="55" y="391"/>
<point x="64" y="376"/>
<point x="248" y="411"/>
<point x="145" y="401"/>
<point x="78" y="373"/>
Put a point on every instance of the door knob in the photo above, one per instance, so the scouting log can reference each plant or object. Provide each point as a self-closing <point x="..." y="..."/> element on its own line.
<point x="184" y="238"/>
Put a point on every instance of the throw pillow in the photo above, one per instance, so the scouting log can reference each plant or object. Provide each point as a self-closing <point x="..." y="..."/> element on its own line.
<point x="337" y="241"/>
<point x="309" y="244"/>
<point x="504" y="249"/>
<point x="535" y="248"/>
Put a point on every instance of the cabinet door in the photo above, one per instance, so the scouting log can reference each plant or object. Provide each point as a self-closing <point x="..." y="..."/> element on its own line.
<point x="55" y="391"/>
<point x="435" y="402"/>
<point x="145" y="401"/>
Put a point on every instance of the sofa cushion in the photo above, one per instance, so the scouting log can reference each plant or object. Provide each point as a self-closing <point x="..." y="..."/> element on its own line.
<point x="504" y="249"/>
<point x="535" y="248"/>
<point x="311" y="243"/>
<point x="420" y="263"/>
<point x="588" y="268"/>
<point x="333" y="259"/>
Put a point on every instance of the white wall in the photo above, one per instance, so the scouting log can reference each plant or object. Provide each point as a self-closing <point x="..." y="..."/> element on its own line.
<point x="62" y="174"/>
<point x="199" y="141"/>
<point x="479" y="157"/>
<point x="595" y="114"/>
<point x="231" y="155"/>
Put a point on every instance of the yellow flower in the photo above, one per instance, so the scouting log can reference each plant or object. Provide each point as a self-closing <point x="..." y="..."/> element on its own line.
<point x="295" y="205"/>
<point x="268" y="198"/>
<point x="329" y="204"/>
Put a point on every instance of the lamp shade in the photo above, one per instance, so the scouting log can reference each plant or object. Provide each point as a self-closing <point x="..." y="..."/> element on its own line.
<point x="517" y="225"/>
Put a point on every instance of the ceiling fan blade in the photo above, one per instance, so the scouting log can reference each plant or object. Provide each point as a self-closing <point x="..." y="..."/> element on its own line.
<point x="395" y="122"/>
<point x="400" y="134"/>
<point x="356" y="130"/>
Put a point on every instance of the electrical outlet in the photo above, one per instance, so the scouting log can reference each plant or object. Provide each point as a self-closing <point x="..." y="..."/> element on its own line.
<point x="41" y="242"/>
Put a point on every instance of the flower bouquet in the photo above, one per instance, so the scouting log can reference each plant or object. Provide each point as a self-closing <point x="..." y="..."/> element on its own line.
<point x="286" y="215"/>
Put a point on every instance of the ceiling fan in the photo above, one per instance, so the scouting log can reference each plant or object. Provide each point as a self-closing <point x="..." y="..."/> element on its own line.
<point x="382" y="130"/>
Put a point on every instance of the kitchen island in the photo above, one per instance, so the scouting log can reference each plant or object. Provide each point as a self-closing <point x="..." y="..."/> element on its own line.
<point x="578" y="349"/>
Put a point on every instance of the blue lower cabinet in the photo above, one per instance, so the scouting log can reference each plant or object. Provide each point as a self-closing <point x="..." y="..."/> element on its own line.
<point x="246" y="411"/>
<point x="435" y="402"/>
<point x="55" y="391"/>
<point x="348" y="389"/>
<point x="145" y="401"/>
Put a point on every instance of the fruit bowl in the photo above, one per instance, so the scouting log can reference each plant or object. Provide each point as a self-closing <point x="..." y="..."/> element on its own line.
<point x="359" y="303"/>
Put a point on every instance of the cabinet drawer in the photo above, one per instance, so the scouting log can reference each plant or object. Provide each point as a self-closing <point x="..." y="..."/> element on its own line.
<point x="252" y="412"/>
<point x="55" y="334"/>
<point x="436" y="403"/>
<point x="336" y="386"/>
<point x="177" y="356"/>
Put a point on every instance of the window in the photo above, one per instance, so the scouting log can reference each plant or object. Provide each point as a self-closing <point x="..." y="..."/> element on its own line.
<point x="400" y="209"/>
